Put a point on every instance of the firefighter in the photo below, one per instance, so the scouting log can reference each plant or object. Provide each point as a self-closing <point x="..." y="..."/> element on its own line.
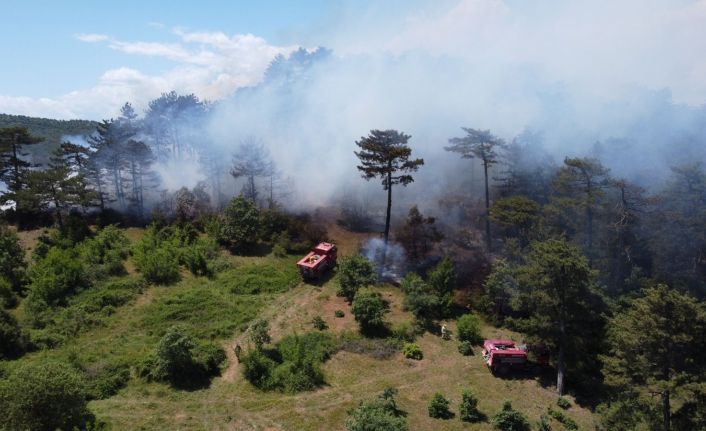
<point x="445" y="332"/>
<point x="238" y="349"/>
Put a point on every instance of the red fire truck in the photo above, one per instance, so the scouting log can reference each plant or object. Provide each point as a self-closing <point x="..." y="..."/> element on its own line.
<point x="318" y="261"/>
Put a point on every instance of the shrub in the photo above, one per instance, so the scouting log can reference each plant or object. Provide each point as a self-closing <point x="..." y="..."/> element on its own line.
<point x="104" y="381"/>
<point x="412" y="351"/>
<point x="465" y="348"/>
<point x="259" y="333"/>
<point x="354" y="272"/>
<point x="339" y="313"/>
<point x="468" y="409"/>
<point x="369" y="310"/>
<point x="241" y="223"/>
<point x="563" y="403"/>
<point x="106" y="251"/>
<point x="419" y="298"/>
<point x="468" y="327"/>
<point x="439" y="407"/>
<point x="13" y="342"/>
<point x="442" y="280"/>
<point x="563" y="419"/>
<point x="403" y="333"/>
<point x="55" y="277"/>
<point x="509" y="419"/>
<point x="43" y="396"/>
<point x="279" y="251"/>
<point x="156" y="258"/>
<point x="8" y="298"/>
<point x="319" y="323"/>
<point x="380" y="414"/>
<point x="292" y="366"/>
<point x="12" y="264"/>
<point x="173" y="358"/>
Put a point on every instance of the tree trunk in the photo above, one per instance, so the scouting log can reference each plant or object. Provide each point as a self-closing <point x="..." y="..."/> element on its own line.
<point x="389" y="207"/>
<point x="487" y="206"/>
<point x="560" y="372"/>
<point x="666" y="410"/>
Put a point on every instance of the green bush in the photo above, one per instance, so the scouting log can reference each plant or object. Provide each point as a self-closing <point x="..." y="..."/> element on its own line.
<point x="158" y="264"/>
<point x="339" y="313"/>
<point x="442" y="280"/>
<point x="369" y="310"/>
<point x="509" y="419"/>
<point x="465" y="348"/>
<point x="12" y="263"/>
<point x="438" y="407"/>
<point x="13" y="342"/>
<point x="292" y="366"/>
<point x="354" y="272"/>
<point x="419" y="298"/>
<point x="403" y="333"/>
<point x="105" y="380"/>
<point x="380" y="414"/>
<point x="43" y="396"/>
<point x="241" y="223"/>
<point x="468" y="409"/>
<point x="57" y="276"/>
<point x="468" y="327"/>
<point x="106" y="251"/>
<point x="180" y="361"/>
<point x="319" y="323"/>
<point x="8" y="297"/>
<point x="259" y="333"/>
<point x="412" y="351"/>
<point x="563" y="403"/>
<point x="563" y="419"/>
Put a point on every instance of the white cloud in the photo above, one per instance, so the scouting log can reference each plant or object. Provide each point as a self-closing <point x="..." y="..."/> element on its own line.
<point x="210" y="65"/>
<point x="91" y="37"/>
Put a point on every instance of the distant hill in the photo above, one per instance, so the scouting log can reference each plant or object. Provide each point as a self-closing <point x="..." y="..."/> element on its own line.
<point x="50" y="130"/>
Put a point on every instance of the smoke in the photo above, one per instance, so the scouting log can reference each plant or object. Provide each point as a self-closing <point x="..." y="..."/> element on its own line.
<point x="613" y="80"/>
<point x="390" y="261"/>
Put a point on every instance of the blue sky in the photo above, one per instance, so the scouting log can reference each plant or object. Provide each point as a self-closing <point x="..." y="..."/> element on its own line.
<point x="83" y="59"/>
<point x="48" y="60"/>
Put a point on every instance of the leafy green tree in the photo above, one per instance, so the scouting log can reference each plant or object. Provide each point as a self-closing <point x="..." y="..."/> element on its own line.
<point x="251" y="161"/>
<point x="420" y="298"/>
<point x="480" y="144"/>
<point x="386" y="155"/>
<point x="12" y="263"/>
<point x="656" y="348"/>
<point x="439" y="407"/>
<point x="501" y="287"/>
<point x="43" y="396"/>
<point x="562" y="311"/>
<point x="442" y="279"/>
<point x="468" y="409"/>
<point x="517" y="215"/>
<point x="354" y="272"/>
<point x="580" y="184"/>
<point x="241" y="223"/>
<point x="173" y="356"/>
<point x="418" y="235"/>
<point x="468" y="327"/>
<point x="509" y="419"/>
<point x="60" y="274"/>
<point x="379" y="414"/>
<point x="13" y="166"/>
<point x="369" y="310"/>
<point x="259" y="333"/>
<point x="13" y="341"/>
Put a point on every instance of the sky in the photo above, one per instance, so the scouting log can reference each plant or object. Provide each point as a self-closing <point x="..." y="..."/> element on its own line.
<point x="84" y="59"/>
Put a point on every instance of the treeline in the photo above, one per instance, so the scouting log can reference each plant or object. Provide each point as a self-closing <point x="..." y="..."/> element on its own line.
<point x="116" y="168"/>
<point x="609" y="276"/>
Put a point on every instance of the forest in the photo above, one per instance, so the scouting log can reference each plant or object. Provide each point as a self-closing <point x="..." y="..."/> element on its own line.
<point x="116" y="285"/>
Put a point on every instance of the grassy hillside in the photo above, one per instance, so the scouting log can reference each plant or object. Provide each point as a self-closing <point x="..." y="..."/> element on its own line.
<point x="219" y="309"/>
<point x="52" y="131"/>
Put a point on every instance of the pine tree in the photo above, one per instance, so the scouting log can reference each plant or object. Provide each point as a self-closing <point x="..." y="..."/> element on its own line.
<point x="251" y="161"/>
<point x="13" y="167"/>
<point x="385" y="154"/>
<point x="656" y="348"/>
<point x="480" y="144"/>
